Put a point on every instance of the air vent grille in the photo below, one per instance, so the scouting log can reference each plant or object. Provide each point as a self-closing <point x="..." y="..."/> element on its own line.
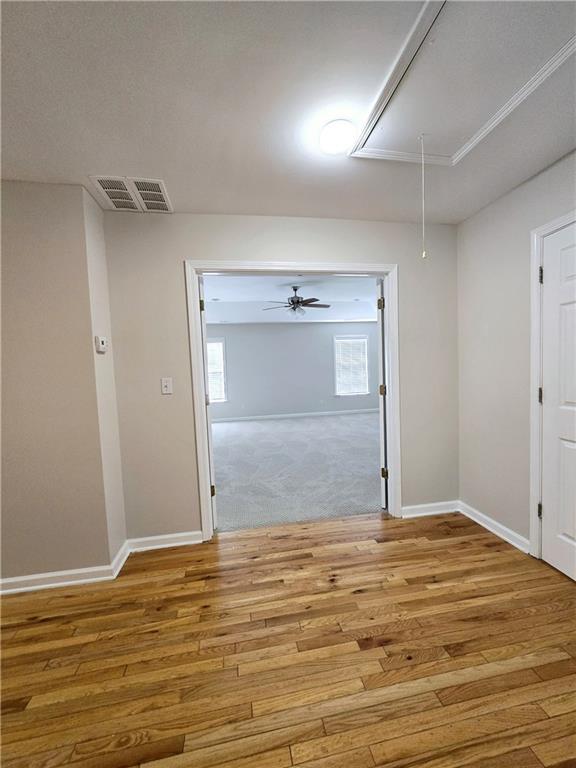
<point x="152" y="195"/>
<point x="125" y="193"/>
<point x="112" y="184"/>
<point x="157" y="197"/>
<point x="156" y="207"/>
<point x="118" y="194"/>
<point x="125" y="205"/>
<point x="148" y="186"/>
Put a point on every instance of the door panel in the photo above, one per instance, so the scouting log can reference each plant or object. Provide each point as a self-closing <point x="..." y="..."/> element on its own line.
<point x="559" y="401"/>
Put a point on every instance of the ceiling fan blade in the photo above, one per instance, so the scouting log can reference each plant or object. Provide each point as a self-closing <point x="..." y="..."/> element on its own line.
<point x="317" y="306"/>
<point x="308" y="301"/>
<point x="275" y="302"/>
<point x="267" y="309"/>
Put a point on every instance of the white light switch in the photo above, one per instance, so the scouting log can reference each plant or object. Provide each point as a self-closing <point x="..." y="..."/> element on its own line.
<point x="101" y="344"/>
<point x="166" y="385"/>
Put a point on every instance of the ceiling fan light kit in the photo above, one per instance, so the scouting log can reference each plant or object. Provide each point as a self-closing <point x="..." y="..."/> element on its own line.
<point x="296" y="305"/>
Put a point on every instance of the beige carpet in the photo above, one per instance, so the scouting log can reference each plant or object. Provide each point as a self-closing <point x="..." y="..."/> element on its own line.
<point x="308" y="468"/>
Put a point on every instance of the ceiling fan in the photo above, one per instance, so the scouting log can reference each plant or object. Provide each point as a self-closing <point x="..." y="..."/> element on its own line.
<point x="296" y="304"/>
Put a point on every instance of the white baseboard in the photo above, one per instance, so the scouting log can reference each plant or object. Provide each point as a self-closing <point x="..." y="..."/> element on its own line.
<point x="443" y="507"/>
<point x="437" y="508"/>
<point x="167" y="540"/>
<point x="108" y="572"/>
<point x="520" y="542"/>
<point x="120" y="559"/>
<point x="77" y="576"/>
<point x="293" y="415"/>
<point x="56" y="579"/>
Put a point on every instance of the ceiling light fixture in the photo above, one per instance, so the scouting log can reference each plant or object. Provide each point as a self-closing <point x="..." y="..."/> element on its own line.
<point x="424" y="254"/>
<point x="336" y="137"/>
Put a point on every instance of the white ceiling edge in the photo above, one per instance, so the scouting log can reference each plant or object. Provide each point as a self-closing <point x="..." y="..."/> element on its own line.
<point x="235" y="290"/>
<point x="409" y="50"/>
<point x="296" y="321"/>
<point x="252" y="312"/>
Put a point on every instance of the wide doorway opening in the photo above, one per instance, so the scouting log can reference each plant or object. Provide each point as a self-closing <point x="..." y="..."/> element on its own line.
<point x="296" y="374"/>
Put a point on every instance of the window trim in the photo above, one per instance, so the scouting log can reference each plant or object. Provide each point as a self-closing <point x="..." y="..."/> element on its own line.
<point x="218" y="340"/>
<point x="337" y="338"/>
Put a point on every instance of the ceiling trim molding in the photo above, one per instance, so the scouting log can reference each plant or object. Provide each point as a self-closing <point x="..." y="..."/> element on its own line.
<point x="521" y="94"/>
<point x="360" y="150"/>
<point x="403" y="157"/>
<point x="408" y="51"/>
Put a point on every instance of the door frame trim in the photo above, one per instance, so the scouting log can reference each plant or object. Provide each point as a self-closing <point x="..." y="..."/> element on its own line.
<point x="194" y="269"/>
<point x="537" y="237"/>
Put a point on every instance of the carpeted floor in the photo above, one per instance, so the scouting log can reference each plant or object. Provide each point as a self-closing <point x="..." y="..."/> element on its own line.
<point x="308" y="468"/>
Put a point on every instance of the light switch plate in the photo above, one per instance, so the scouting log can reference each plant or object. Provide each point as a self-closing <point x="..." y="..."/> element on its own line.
<point x="166" y="385"/>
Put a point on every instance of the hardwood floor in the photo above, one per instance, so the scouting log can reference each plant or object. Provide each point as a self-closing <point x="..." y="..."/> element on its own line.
<point x="350" y="643"/>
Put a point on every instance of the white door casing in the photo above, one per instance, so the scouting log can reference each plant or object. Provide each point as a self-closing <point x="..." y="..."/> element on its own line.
<point x="382" y="370"/>
<point x="193" y="272"/>
<point x="559" y="400"/>
<point x="196" y="336"/>
<point x="207" y="400"/>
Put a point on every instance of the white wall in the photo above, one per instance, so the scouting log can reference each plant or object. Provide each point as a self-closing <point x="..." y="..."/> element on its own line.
<point x="104" y="375"/>
<point x="61" y="476"/>
<point x="289" y="368"/>
<point x="62" y="495"/>
<point x="53" y="502"/>
<point x="494" y="343"/>
<point x="146" y="255"/>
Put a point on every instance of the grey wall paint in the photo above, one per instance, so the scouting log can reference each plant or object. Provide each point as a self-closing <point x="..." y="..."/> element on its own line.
<point x="494" y="343"/>
<point x="146" y="257"/>
<point x="264" y="363"/>
<point x="53" y="504"/>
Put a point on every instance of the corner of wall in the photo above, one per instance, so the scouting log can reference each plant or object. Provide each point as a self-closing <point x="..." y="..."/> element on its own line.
<point x="105" y="376"/>
<point x="493" y="273"/>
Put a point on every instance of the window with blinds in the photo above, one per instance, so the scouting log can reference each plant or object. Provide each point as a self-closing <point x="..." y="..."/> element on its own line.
<point x="216" y="371"/>
<point x="351" y="365"/>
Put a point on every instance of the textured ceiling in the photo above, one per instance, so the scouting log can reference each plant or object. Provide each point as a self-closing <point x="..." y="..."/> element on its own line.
<point x="242" y="299"/>
<point x="224" y="100"/>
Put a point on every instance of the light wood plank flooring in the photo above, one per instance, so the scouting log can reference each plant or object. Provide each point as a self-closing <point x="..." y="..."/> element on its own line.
<point x="347" y="643"/>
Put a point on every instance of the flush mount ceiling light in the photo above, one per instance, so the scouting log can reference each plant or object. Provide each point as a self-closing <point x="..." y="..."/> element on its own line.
<point x="337" y="137"/>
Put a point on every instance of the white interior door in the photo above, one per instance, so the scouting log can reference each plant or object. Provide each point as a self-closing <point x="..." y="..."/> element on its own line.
<point x="559" y="400"/>
<point x="382" y="392"/>
<point x="207" y="390"/>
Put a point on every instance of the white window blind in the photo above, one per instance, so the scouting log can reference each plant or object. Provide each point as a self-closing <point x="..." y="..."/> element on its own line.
<point x="351" y="365"/>
<point x="216" y="372"/>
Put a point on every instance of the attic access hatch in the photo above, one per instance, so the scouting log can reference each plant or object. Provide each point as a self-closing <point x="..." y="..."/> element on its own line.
<point x="123" y="193"/>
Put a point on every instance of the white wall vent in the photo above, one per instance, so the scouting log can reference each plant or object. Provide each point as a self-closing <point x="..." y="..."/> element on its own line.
<point x="152" y="195"/>
<point x="123" y="193"/>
